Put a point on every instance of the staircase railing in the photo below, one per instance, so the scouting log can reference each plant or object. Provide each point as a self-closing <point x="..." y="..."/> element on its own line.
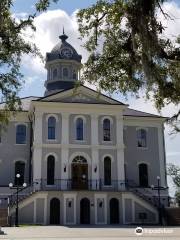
<point x="90" y="185"/>
<point x="22" y="194"/>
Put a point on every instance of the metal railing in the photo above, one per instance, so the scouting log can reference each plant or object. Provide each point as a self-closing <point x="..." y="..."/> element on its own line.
<point x="84" y="185"/>
<point x="69" y="184"/>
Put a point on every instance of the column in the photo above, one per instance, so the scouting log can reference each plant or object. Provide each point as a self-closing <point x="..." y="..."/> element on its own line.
<point x="120" y="151"/>
<point x="161" y="156"/>
<point x="95" y="151"/>
<point x="35" y="211"/>
<point x="65" y="151"/>
<point x="37" y="151"/>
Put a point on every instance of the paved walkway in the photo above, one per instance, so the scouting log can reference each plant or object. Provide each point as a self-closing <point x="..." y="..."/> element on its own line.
<point x="87" y="233"/>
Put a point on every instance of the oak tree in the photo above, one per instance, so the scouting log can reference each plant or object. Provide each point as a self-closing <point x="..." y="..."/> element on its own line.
<point x="128" y="51"/>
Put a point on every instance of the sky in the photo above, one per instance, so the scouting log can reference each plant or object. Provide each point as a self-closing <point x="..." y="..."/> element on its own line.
<point x="49" y="26"/>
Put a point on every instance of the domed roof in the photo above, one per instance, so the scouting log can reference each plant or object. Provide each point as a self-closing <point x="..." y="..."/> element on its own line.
<point x="63" y="50"/>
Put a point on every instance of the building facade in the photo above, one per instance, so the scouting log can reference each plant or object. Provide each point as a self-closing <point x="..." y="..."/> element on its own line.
<point x="87" y="158"/>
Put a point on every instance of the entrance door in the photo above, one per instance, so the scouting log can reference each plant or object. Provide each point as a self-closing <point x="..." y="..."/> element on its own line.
<point x="55" y="211"/>
<point x="85" y="211"/>
<point x="79" y="176"/>
<point x="114" y="211"/>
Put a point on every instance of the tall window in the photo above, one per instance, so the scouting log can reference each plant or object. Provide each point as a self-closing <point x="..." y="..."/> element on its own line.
<point x="143" y="175"/>
<point x="74" y="74"/>
<point x="51" y="128"/>
<point x="106" y="130"/>
<point x="50" y="170"/>
<point x="55" y="73"/>
<point x="65" y="72"/>
<point x="19" y="169"/>
<point x="141" y="138"/>
<point x="107" y="171"/>
<point x="21" y="134"/>
<point x="79" y="129"/>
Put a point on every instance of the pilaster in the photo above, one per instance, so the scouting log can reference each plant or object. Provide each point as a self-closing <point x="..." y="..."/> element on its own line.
<point x="95" y="151"/>
<point x="37" y="152"/>
<point x="120" y="149"/>
<point x="65" y="150"/>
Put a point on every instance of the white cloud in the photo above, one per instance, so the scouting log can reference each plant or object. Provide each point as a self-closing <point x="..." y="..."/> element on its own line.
<point x="49" y="26"/>
<point x="173" y="154"/>
<point x="172" y="24"/>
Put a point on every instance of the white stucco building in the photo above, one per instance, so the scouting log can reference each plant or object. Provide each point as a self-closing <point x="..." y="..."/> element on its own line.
<point x="87" y="158"/>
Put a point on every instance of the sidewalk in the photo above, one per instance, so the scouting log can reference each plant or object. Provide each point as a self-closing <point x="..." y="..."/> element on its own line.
<point x="82" y="233"/>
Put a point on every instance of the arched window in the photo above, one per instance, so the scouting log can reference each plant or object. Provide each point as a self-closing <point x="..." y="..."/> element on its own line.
<point x="79" y="159"/>
<point x="107" y="171"/>
<point x="50" y="170"/>
<point x="19" y="169"/>
<point x="51" y="128"/>
<point x="65" y="72"/>
<point x="143" y="175"/>
<point x="79" y="129"/>
<point x="141" y="138"/>
<point x="74" y="75"/>
<point x="55" y="73"/>
<point x="106" y="130"/>
<point x="21" y="134"/>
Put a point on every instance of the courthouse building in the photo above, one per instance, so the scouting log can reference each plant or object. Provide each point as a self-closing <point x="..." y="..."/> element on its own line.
<point x="87" y="158"/>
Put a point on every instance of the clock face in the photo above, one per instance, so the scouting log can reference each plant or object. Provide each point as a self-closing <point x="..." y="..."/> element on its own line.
<point x="66" y="53"/>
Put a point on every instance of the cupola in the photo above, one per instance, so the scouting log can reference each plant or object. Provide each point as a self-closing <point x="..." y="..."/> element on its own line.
<point x="63" y="65"/>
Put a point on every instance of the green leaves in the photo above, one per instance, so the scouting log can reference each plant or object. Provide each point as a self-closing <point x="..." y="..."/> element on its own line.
<point x="42" y="5"/>
<point x="12" y="48"/>
<point x="132" y="54"/>
<point x="174" y="172"/>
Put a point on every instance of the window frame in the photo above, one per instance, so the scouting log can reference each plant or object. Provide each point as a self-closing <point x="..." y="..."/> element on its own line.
<point x="110" y="171"/>
<point x="141" y="139"/>
<point x="75" y="128"/>
<point x="110" y="130"/>
<point x="25" y="125"/>
<point x="51" y="127"/>
<point x="55" y="70"/>
<point x="65" y="68"/>
<point x="54" y="167"/>
<point x="79" y="129"/>
<point x="147" y="168"/>
<point x="15" y="172"/>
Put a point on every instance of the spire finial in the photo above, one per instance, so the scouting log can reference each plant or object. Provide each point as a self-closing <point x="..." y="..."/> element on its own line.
<point x="63" y="37"/>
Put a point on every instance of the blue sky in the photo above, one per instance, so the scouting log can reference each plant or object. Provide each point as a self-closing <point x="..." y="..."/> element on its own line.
<point x="68" y="5"/>
<point x="49" y="27"/>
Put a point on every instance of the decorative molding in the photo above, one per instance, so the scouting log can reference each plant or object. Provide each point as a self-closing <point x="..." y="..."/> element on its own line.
<point x="104" y="197"/>
<point x="72" y="196"/>
<point x="83" y="154"/>
<point x="106" y="117"/>
<point x="52" y="115"/>
<point x="51" y="154"/>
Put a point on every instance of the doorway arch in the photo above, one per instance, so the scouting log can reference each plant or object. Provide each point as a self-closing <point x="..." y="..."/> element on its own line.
<point x="55" y="211"/>
<point x="114" y="211"/>
<point x="85" y="211"/>
<point x="79" y="173"/>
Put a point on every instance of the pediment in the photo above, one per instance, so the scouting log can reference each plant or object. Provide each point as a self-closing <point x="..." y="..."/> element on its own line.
<point x="80" y="94"/>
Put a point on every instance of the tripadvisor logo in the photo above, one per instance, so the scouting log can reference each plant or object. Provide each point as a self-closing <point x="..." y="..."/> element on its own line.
<point x="139" y="231"/>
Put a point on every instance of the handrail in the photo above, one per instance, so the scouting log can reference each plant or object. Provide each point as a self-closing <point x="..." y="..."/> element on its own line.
<point x="80" y="185"/>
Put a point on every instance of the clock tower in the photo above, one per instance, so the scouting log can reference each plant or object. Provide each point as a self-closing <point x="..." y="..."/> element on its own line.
<point x="63" y="65"/>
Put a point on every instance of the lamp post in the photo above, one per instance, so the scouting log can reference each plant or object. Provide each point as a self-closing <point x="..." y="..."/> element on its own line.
<point x="1" y="232"/>
<point x="159" y="188"/>
<point x="17" y="187"/>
